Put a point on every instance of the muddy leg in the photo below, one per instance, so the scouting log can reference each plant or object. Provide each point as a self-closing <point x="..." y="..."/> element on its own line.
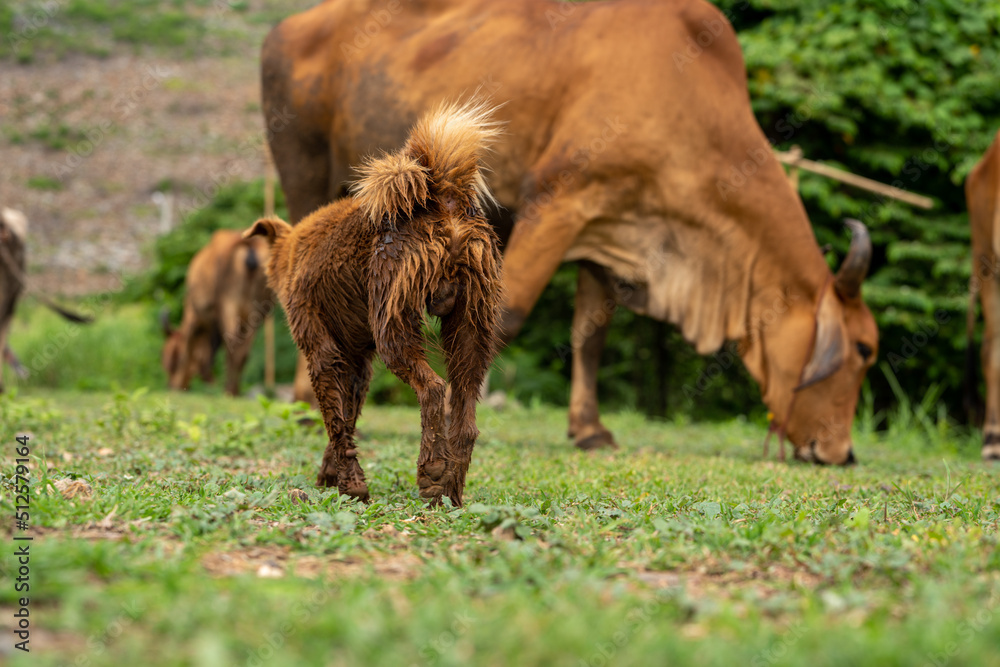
<point x="592" y="313"/>
<point x="403" y="354"/>
<point x="469" y="348"/>
<point x="337" y="384"/>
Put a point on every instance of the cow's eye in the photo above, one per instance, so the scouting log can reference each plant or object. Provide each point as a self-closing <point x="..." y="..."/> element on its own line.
<point x="472" y="212"/>
<point x="864" y="351"/>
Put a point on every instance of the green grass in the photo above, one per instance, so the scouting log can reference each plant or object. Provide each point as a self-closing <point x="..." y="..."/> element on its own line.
<point x="44" y="29"/>
<point x="684" y="547"/>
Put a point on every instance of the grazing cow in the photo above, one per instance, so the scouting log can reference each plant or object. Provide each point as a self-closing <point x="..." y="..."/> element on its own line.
<point x="13" y="230"/>
<point x="355" y="278"/>
<point x="631" y="148"/>
<point x="227" y="298"/>
<point x="13" y="280"/>
<point x="982" y="194"/>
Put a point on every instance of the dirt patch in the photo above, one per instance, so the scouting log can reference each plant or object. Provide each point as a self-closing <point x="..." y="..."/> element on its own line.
<point x="87" y="143"/>
<point x="717" y="581"/>
<point x="273" y="562"/>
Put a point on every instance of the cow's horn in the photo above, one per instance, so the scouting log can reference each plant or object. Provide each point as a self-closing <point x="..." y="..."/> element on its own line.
<point x="165" y="321"/>
<point x="855" y="267"/>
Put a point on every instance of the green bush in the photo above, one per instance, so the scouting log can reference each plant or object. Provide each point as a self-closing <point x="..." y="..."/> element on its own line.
<point x="121" y="348"/>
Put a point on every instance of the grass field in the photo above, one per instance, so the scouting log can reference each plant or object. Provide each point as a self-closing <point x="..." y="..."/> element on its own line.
<point x="684" y="547"/>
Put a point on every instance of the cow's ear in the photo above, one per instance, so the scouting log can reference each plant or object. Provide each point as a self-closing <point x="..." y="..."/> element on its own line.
<point x="270" y="228"/>
<point x="830" y="345"/>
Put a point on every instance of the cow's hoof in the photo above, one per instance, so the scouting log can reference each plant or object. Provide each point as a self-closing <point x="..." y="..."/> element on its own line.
<point x="436" y="479"/>
<point x="991" y="452"/>
<point x="600" y="440"/>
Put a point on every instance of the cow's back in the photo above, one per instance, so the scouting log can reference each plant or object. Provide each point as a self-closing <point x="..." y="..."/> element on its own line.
<point x="572" y="77"/>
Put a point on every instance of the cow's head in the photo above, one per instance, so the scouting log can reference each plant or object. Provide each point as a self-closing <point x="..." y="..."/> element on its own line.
<point x="171" y="355"/>
<point x="180" y="363"/>
<point x="13" y="226"/>
<point x="811" y="359"/>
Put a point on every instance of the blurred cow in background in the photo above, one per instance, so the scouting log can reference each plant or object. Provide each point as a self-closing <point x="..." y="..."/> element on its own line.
<point x="226" y="300"/>
<point x="13" y="281"/>
<point x="982" y="193"/>
<point x="13" y="230"/>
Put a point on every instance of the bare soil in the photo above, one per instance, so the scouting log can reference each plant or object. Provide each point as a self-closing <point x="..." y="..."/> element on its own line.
<point x="85" y="143"/>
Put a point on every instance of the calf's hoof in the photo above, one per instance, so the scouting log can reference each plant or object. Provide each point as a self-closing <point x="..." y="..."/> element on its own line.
<point x="991" y="452"/>
<point x="590" y="440"/>
<point x="349" y="480"/>
<point x="436" y="479"/>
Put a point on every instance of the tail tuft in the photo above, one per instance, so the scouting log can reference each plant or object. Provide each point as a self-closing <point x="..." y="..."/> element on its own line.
<point x="442" y="156"/>
<point x="391" y="185"/>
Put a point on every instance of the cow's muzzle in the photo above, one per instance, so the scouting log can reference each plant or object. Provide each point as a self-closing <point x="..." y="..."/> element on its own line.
<point x="810" y="454"/>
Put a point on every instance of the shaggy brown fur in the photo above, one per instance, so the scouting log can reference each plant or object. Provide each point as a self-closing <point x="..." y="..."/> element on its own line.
<point x="356" y="276"/>
<point x="227" y="298"/>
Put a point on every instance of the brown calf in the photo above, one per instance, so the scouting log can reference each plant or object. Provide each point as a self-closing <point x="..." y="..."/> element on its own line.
<point x="227" y="298"/>
<point x="356" y="276"/>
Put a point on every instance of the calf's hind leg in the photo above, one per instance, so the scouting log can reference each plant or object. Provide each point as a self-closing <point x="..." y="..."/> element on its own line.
<point x="340" y="385"/>
<point x="402" y="350"/>
<point x="469" y="348"/>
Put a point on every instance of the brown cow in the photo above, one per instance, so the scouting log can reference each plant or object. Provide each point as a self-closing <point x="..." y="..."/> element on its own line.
<point x="982" y="193"/>
<point x="227" y="298"/>
<point x="13" y="281"/>
<point x="625" y="150"/>
<point x="13" y="230"/>
<point x="355" y="278"/>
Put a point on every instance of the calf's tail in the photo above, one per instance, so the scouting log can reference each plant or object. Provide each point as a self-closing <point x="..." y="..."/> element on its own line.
<point x="442" y="159"/>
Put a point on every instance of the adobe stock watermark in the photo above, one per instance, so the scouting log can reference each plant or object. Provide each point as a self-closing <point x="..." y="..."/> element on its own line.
<point x="929" y="328"/>
<point x="786" y="127"/>
<point x="433" y="650"/>
<point x="124" y="105"/>
<point x="635" y="619"/>
<point x="98" y="643"/>
<point x="378" y="19"/>
<point x="727" y="357"/>
<point x="580" y="332"/>
<point x="273" y="641"/>
<point x="611" y="131"/>
<point x="31" y="22"/>
<point x="250" y="158"/>
<point x="965" y="631"/>
<point x="780" y="647"/>
<point x="90" y="307"/>
<point x="711" y="29"/>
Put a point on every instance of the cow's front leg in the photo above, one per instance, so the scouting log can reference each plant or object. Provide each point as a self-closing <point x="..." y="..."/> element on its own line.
<point x="402" y="350"/>
<point x="594" y="306"/>
<point x="990" y="296"/>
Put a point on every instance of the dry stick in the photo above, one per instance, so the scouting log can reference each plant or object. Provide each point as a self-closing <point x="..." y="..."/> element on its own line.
<point x="269" y="321"/>
<point x="794" y="159"/>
